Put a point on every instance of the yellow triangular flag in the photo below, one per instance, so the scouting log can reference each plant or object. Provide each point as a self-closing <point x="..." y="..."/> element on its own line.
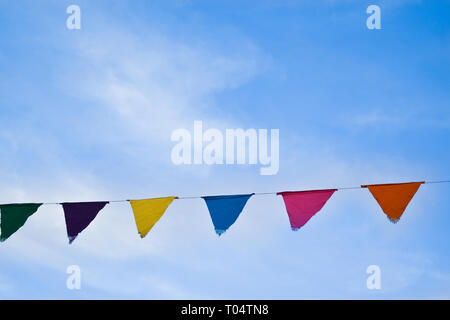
<point x="148" y="212"/>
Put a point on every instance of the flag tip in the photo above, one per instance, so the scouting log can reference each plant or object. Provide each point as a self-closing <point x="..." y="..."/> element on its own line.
<point x="393" y="220"/>
<point x="220" y="232"/>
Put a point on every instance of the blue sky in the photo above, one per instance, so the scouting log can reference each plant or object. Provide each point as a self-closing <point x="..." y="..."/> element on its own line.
<point x="87" y="115"/>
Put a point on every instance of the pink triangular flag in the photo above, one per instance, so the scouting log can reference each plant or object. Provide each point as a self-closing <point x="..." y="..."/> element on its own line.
<point x="302" y="205"/>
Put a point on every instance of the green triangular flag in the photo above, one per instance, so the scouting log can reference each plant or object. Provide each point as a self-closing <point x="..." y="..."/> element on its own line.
<point x="14" y="216"/>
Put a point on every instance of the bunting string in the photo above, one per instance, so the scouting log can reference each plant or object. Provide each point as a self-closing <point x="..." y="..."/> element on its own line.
<point x="224" y="210"/>
<point x="255" y="193"/>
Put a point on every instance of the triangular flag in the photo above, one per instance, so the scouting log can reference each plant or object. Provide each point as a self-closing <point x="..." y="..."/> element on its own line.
<point x="302" y="205"/>
<point x="79" y="215"/>
<point x="394" y="198"/>
<point x="14" y="216"/>
<point x="225" y="210"/>
<point x="147" y="212"/>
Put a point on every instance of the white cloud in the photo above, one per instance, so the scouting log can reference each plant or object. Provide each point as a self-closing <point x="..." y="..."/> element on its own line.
<point x="151" y="84"/>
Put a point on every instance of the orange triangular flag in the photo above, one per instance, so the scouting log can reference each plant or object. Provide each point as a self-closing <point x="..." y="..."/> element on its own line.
<point x="394" y="198"/>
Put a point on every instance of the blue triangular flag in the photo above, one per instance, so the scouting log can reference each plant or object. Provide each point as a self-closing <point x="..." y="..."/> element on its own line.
<point x="225" y="210"/>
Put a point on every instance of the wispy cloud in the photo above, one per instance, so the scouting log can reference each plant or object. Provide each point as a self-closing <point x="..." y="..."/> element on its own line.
<point x="151" y="83"/>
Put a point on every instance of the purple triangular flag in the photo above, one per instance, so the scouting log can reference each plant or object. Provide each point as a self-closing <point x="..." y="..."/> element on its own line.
<point x="79" y="215"/>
